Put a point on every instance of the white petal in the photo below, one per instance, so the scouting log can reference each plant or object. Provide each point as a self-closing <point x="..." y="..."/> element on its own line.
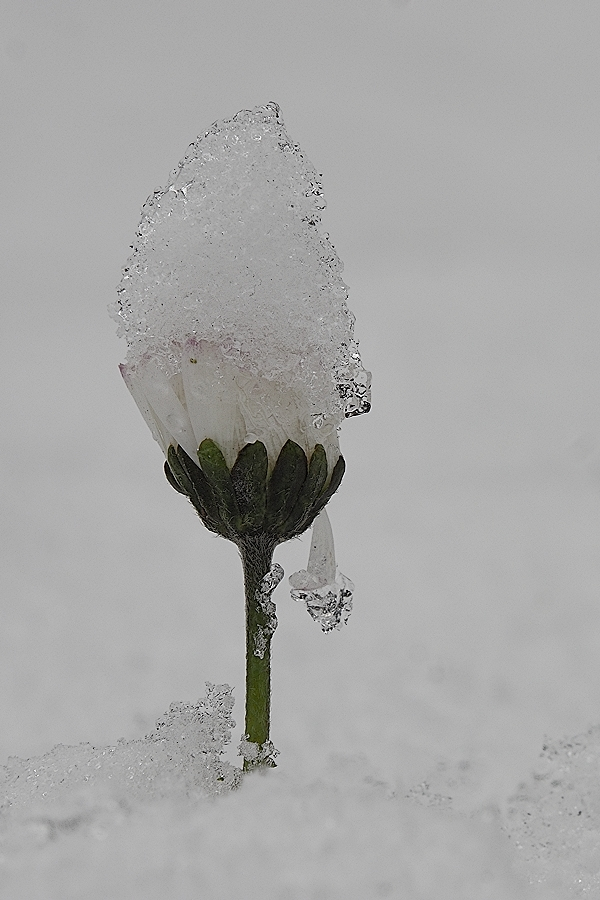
<point x="172" y="416"/>
<point x="211" y="399"/>
<point x="321" y="567"/>
<point x="321" y="561"/>
<point x="135" y="389"/>
<point x="326" y="592"/>
<point x="270" y="415"/>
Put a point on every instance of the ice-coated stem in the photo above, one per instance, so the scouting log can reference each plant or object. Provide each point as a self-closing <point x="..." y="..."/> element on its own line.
<point x="257" y="557"/>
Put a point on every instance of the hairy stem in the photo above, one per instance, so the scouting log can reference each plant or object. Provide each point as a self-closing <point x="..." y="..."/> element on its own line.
<point x="257" y="557"/>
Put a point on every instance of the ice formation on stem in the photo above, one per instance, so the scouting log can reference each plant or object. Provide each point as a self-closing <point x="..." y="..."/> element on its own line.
<point x="241" y="353"/>
<point x="263" y="601"/>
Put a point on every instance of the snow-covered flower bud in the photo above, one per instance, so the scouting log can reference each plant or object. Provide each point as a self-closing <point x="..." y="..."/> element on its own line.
<point x="242" y="360"/>
<point x="241" y="354"/>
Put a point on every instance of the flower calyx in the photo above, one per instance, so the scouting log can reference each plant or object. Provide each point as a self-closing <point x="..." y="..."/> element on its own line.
<point x="245" y="501"/>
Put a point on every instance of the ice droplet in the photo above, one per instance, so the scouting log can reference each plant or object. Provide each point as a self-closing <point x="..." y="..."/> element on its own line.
<point x="263" y="599"/>
<point x="325" y="590"/>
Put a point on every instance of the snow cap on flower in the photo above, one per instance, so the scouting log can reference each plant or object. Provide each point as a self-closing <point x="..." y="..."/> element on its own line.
<point x="232" y="302"/>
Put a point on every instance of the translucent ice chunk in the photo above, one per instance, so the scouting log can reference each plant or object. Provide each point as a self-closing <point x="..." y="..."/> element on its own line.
<point x="263" y="598"/>
<point x="326" y="592"/>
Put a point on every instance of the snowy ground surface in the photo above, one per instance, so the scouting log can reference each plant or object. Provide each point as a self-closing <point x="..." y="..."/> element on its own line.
<point x="445" y="744"/>
<point x="409" y="741"/>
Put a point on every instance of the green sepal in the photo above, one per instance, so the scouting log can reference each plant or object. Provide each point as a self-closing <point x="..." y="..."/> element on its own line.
<point x="244" y="504"/>
<point x="249" y="480"/>
<point x="287" y="478"/>
<point x="334" y="483"/>
<point x="195" y="485"/>
<point x="214" y="467"/>
<point x="300" y="516"/>
<point x="173" y="481"/>
<point x="179" y="471"/>
<point x="203" y="497"/>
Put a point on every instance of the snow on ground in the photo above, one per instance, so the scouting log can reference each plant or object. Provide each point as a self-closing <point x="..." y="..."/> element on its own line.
<point x="459" y="148"/>
<point x="342" y="834"/>
<point x="409" y="740"/>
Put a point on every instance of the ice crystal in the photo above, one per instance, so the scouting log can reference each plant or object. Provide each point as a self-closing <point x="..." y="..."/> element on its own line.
<point x="266" y="605"/>
<point x="203" y="727"/>
<point x="330" y="606"/>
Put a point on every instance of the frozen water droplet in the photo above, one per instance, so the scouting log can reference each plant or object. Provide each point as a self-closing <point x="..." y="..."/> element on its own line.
<point x="325" y="590"/>
<point x="260" y="639"/>
<point x="263" y="599"/>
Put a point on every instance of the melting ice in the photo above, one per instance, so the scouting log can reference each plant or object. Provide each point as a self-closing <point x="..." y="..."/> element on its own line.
<point x="326" y="592"/>
<point x="263" y="598"/>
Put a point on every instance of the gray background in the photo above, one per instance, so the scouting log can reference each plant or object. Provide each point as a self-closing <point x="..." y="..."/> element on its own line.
<point x="460" y="148"/>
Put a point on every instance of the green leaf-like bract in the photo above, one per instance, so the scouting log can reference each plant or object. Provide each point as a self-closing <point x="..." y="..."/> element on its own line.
<point x="194" y="483"/>
<point x="285" y="483"/>
<point x="172" y="480"/>
<point x="334" y="483"/>
<point x="214" y="467"/>
<point x="302" y="515"/>
<point x="244" y="504"/>
<point x="249" y="480"/>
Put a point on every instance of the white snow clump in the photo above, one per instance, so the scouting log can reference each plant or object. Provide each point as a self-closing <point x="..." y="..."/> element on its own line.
<point x="233" y="304"/>
<point x="181" y="757"/>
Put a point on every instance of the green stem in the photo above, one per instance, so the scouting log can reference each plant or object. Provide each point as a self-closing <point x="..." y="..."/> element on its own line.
<point x="257" y="557"/>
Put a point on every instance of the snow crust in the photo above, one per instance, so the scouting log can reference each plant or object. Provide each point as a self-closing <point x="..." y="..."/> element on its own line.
<point x="168" y="815"/>
<point x="345" y="834"/>
<point x="554" y="818"/>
